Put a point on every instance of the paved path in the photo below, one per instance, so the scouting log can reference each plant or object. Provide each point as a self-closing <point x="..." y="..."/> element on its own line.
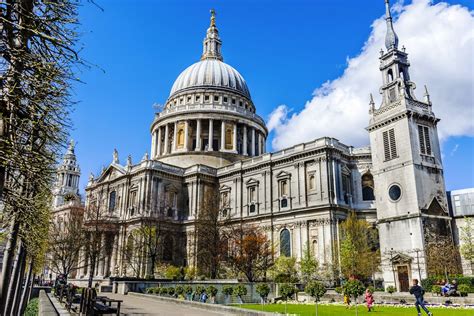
<point x="133" y="305"/>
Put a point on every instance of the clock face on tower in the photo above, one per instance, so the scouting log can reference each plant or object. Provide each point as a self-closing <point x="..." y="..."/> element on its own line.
<point x="394" y="192"/>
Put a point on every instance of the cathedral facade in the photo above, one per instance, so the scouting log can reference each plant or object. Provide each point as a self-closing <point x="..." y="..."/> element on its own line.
<point x="209" y="137"/>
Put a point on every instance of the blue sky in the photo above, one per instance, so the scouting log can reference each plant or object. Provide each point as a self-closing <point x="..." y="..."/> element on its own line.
<point x="284" y="49"/>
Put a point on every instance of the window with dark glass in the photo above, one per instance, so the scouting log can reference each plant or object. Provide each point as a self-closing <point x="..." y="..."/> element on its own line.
<point x="112" y="197"/>
<point x="285" y="243"/>
<point x="368" y="187"/>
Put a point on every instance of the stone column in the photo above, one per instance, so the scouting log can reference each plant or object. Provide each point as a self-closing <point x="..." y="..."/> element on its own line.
<point x="165" y="151"/>
<point x="234" y="140"/>
<point x="222" y="136"/>
<point x="158" y="145"/>
<point x="244" y="147"/>
<point x="173" y="149"/>
<point x="186" y="135"/>
<point x="252" y="150"/>
<point x="259" y="146"/>
<point x="114" y="255"/>
<point x="211" y="134"/>
<point x="198" y="135"/>
<point x="153" y="144"/>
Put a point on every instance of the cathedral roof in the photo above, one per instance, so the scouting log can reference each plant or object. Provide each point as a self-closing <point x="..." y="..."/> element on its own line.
<point x="211" y="71"/>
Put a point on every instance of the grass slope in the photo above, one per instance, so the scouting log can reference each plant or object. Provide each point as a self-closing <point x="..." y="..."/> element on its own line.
<point x="331" y="310"/>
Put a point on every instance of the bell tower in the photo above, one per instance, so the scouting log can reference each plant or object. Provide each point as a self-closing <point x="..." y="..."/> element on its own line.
<point x="407" y="168"/>
<point x="67" y="179"/>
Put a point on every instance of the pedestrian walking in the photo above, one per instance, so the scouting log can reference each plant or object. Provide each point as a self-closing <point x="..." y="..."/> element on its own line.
<point x="418" y="292"/>
<point x="369" y="300"/>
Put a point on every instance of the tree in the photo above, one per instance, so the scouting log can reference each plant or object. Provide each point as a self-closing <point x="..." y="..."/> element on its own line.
<point x="66" y="240"/>
<point x="211" y="244"/>
<point x="354" y="288"/>
<point x="287" y="291"/>
<point x="284" y="270"/>
<point x="317" y="290"/>
<point x="263" y="290"/>
<point x="37" y="50"/>
<point x="308" y="265"/>
<point x="240" y="291"/>
<point x="442" y="247"/>
<point x="467" y="241"/>
<point x="250" y="251"/>
<point x="359" y="257"/>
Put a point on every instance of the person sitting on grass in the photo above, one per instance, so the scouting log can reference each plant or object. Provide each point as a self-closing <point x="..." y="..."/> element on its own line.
<point x="369" y="299"/>
<point x="418" y="292"/>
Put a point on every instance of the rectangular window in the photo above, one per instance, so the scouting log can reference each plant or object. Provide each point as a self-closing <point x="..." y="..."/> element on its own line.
<point x="252" y="195"/>
<point x="216" y="98"/>
<point x="389" y="144"/>
<point x="424" y="139"/>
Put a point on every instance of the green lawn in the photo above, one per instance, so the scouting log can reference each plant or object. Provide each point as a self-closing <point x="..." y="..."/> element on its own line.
<point x="334" y="310"/>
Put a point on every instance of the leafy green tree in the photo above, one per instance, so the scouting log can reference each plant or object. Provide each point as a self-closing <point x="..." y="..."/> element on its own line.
<point x="354" y="288"/>
<point x="317" y="290"/>
<point x="179" y="290"/>
<point x="287" y="290"/>
<point x="308" y="265"/>
<point x="284" y="270"/>
<point x="263" y="290"/>
<point x="212" y="291"/>
<point x="467" y="241"/>
<point x="360" y="255"/>
<point x="227" y="290"/>
<point x="240" y="291"/>
<point x="188" y="290"/>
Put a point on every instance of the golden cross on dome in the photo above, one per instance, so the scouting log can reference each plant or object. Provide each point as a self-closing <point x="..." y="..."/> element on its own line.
<point x="213" y="17"/>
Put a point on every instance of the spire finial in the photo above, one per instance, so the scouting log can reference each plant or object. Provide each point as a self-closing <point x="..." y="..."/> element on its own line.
<point x="372" y="104"/>
<point x="212" y="42"/>
<point x="427" y="96"/>
<point x="213" y="18"/>
<point x="391" y="39"/>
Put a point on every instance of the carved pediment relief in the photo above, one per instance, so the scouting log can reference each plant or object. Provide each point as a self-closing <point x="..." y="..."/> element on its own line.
<point x="224" y="188"/>
<point x="283" y="174"/>
<point x="251" y="182"/>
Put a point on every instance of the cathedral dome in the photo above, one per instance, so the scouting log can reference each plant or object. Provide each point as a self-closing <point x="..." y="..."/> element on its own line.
<point x="213" y="73"/>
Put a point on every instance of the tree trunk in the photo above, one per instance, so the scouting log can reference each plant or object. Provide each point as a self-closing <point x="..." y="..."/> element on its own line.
<point x="19" y="284"/>
<point x="14" y="281"/>
<point x="26" y="288"/>
<point x="8" y="257"/>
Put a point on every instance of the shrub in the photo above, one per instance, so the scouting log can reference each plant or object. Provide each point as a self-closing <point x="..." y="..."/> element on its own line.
<point x="379" y="289"/>
<point x="339" y="290"/>
<point x="436" y="289"/>
<point x="171" y="291"/>
<point x="173" y="273"/>
<point x="149" y="290"/>
<point x="212" y="290"/>
<point x="188" y="289"/>
<point x="391" y="289"/>
<point x="287" y="290"/>
<point x="460" y="279"/>
<point x="199" y="289"/>
<point x="263" y="290"/>
<point x="179" y="290"/>
<point x="240" y="290"/>
<point x="228" y="290"/>
<point x="32" y="308"/>
<point x="315" y="289"/>
<point x="163" y="291"/>
<point x="463" y="289"/>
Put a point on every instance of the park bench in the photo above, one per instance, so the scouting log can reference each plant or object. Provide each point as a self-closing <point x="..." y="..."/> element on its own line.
<point x="91" y="304"/>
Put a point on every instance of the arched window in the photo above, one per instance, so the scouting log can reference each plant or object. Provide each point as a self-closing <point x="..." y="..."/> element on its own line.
<point x="112" y="197"/>
<point x="315" y="249"/>
<point x="168" y="248"/>
<point x="390" y="75"/>
<point x="285" y="243"/>
<point x="368" y="187"/>
<point x="312" y="182"/>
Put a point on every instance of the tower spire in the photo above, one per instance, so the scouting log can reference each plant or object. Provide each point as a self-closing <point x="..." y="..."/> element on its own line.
<point x="212" y="43"/>
<point x="391" y="39"/>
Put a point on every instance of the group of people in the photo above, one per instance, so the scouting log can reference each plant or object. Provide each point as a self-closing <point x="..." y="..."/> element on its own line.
<point x="449" y="289"/>
<point x="415" y="290"/>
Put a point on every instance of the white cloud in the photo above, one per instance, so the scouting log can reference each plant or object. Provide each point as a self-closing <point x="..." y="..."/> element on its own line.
<point x="440" y="42"/>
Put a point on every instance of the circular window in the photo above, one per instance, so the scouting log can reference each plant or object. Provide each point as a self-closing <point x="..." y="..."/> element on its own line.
<point x="395" y="192"/>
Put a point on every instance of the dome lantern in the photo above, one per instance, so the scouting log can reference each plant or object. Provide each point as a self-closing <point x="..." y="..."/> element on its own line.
<point x="212" y="43"/>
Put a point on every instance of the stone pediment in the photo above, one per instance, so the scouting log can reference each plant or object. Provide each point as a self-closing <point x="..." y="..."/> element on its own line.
<point x="224" y="188"/>
<point x="283" y="174"/>
<point x="435" y="208"/>
<point x="251" y="181"/>
<point x="113" y="171"/>
<point x="401" y="258"/>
